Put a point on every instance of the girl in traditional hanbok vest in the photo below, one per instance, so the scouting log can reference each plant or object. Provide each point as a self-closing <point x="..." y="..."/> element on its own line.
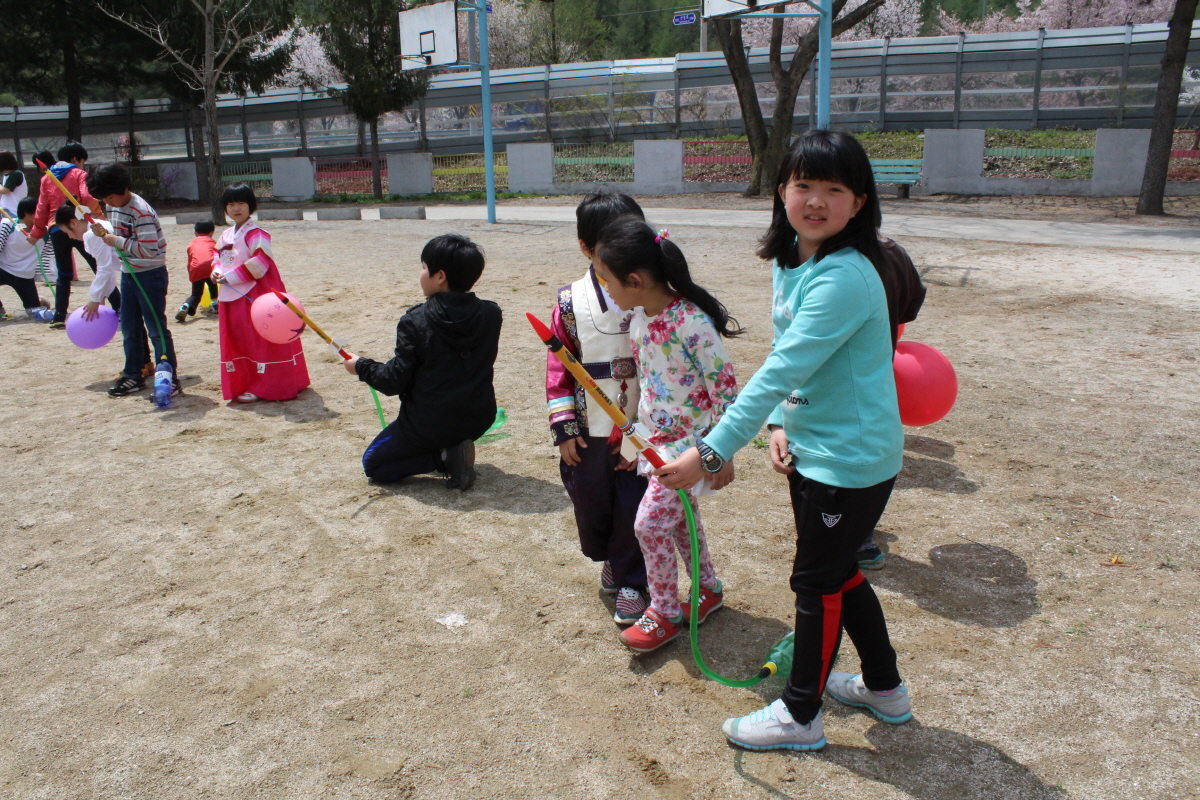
<point x="251" y="367"/>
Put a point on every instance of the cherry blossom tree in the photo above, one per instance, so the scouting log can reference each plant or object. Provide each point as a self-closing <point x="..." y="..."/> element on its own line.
<point x="1065" y="14"/>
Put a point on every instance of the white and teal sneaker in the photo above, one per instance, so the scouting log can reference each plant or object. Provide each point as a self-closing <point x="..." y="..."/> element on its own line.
<point x="850" y="690"/>
<point x="773" y="728"/>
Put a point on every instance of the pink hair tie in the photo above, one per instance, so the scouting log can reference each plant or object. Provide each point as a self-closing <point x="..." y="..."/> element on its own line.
<point x="662" y="234"/>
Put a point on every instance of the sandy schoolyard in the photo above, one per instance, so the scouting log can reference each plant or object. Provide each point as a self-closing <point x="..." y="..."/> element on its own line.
<point x="212" y="602"/>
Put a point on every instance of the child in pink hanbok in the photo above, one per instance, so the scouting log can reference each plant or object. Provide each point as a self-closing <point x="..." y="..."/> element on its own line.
<point x="251" y="367"/>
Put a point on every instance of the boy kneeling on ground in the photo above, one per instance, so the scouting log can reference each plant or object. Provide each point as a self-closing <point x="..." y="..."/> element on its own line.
<point x="442" y="372"/>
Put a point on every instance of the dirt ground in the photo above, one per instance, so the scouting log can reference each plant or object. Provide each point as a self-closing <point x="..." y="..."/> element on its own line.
<point x="212" y="602"/>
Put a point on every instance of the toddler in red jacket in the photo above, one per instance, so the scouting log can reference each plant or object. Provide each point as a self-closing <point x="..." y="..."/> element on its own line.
<point x="200" y="254"/>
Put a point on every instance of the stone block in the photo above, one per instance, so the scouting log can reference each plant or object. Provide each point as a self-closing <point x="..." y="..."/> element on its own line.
<point x="952" y="161"/>
<point x="1120" y="161"/>
<point x="402" y="212"/>
<point x="531" y="168"/>
<point x="325" y="214"/>
<point x="658" y="166"/>
<point x="410" y="173"/>
<point x="281" y="213"/>
<point x="294" y="179"/>
<point x="192" y="217"/>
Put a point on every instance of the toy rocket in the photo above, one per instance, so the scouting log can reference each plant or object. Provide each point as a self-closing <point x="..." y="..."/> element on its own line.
<point x="637" y="435"/>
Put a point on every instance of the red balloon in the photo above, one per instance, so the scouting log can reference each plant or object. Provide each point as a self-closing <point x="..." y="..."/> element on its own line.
<point x="900" y="331"/>
<point x="274" y="321"/>
<point x="926" y="384"/>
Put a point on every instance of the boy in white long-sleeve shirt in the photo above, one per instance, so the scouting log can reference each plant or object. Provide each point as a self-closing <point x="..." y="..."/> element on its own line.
<point x="19" y="262"/>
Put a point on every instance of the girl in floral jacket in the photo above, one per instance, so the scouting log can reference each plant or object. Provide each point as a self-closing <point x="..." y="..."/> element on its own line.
<point x="687" y="381"/>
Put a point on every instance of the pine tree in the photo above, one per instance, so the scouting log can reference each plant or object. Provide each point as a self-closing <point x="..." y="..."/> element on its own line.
<point x="362" y="40"/>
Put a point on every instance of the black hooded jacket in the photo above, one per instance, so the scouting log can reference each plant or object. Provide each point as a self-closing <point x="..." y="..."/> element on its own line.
<point x="442" y="371"/>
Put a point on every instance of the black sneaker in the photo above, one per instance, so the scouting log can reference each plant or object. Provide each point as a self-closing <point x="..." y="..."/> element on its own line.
<point x="871" y="558"/>
<point x="176" y="387"/>
<point x="124" y="386"/>
<point x="182" y="314"/>
<point x="459" y="465"/>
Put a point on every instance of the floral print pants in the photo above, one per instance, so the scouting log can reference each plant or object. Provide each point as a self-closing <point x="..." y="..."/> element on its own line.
<point x="661" y="526"/>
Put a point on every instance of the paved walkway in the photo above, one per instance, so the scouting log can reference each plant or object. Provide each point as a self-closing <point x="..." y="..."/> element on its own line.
<point x="1079" y="234"/>
<point x="1074" y="234"/>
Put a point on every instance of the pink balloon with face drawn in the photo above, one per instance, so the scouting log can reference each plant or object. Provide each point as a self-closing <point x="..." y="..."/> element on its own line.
<point x="274" y="321"/>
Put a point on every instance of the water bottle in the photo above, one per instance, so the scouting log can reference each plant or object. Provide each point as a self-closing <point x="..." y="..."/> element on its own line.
<point x="162" y="384"/>
<point x="779" y="660"/>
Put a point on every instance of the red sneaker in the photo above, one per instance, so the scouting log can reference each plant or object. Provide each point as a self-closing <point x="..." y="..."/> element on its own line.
<point x="650" y="632"/>
<point x="710" y="601"/>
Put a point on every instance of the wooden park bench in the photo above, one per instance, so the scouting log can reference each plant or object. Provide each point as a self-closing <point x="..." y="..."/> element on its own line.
<point x="902" y="173"/>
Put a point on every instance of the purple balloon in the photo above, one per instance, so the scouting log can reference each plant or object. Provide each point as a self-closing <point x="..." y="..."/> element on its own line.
<point x="92" y="334"/>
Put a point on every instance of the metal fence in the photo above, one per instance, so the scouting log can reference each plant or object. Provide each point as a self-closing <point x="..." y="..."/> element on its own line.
<point x="1087" y="78"/>
<point x="593" y="162"/>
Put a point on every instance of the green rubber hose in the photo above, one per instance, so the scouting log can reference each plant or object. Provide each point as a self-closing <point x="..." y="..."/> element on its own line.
<point x="378" y="406"/>
<point x="765" y="672"/>
<point x="161" y="335"/>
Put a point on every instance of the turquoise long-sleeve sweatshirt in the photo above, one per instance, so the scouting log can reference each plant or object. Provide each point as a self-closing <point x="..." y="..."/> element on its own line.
<point x="828" y="379"/>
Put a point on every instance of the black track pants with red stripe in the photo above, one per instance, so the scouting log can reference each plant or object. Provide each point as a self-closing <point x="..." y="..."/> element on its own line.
<point x="831" y="592"/>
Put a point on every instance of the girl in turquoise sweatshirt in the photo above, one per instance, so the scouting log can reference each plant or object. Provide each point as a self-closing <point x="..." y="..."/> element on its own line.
<point x="828" y="393"/>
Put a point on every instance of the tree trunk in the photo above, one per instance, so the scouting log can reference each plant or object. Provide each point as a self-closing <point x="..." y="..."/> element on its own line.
<point x="66" y="40"/>
<point x="197" y="122"/>
<point x="376" y="177"/>
<point x="209" y="73"/>
<point x="729" y="33"/>
<point x="1166" y="106"/>
<point x="768" y="149"/>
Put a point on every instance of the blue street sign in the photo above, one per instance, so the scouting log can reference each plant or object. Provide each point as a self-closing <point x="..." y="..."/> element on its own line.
<point x="685" y="19"/>
<point x="489" y="8"/>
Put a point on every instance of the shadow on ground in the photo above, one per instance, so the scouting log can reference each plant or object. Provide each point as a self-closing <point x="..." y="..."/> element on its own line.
<point x="924" y="763"/>
<point x="308" y="406"/>
<point x="966" y="582"/>
<point x="494" y="489"/>
<point x="734" y="644"/>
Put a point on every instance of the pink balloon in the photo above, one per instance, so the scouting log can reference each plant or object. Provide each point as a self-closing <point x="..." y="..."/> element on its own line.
<point x="94" y="333"/>
<point x="900" y="331"/>
<point x="274" y="321"/>
<point x="926" y="385"/>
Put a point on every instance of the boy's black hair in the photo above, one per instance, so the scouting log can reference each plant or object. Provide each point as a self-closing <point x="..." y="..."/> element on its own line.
<point x="109" y="179"/>
<point x="71" y="151"/>
<point x="239" y="193"/>
<point x="628" y="245"/>
<point x="204" y="226"/>
<point x="8" y="162"/>
<point x="46" y="157"/>
<point x="460" y="258"/>
<point x="64" y="214"/>
<point x="824" y="155"/>
<point x="26" y="205"/>
<point x="597" y="210"/>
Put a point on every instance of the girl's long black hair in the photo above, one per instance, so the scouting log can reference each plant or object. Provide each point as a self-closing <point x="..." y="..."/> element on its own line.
<point x="824" y="155"/>
<point x="627" y="245"/>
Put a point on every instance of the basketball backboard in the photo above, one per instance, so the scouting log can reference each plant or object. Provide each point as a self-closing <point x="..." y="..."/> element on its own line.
<point x="723" y="8"/>
<point x="429" y="36"/>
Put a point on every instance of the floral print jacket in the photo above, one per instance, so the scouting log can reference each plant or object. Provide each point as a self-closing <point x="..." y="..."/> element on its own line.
<point x="686" y="377"/>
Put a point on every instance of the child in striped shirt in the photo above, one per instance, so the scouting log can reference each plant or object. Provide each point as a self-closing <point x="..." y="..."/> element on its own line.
<point x="137" y="234"/>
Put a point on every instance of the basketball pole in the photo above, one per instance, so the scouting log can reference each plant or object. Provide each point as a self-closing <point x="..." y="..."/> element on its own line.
<point x="486" y="91"/>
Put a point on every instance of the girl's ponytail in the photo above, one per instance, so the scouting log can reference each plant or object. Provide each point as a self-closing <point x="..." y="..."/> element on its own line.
<point x="628" y="244"/>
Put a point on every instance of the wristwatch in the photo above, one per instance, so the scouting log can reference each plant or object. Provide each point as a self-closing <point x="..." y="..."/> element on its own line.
<point x="710" y="462"/>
